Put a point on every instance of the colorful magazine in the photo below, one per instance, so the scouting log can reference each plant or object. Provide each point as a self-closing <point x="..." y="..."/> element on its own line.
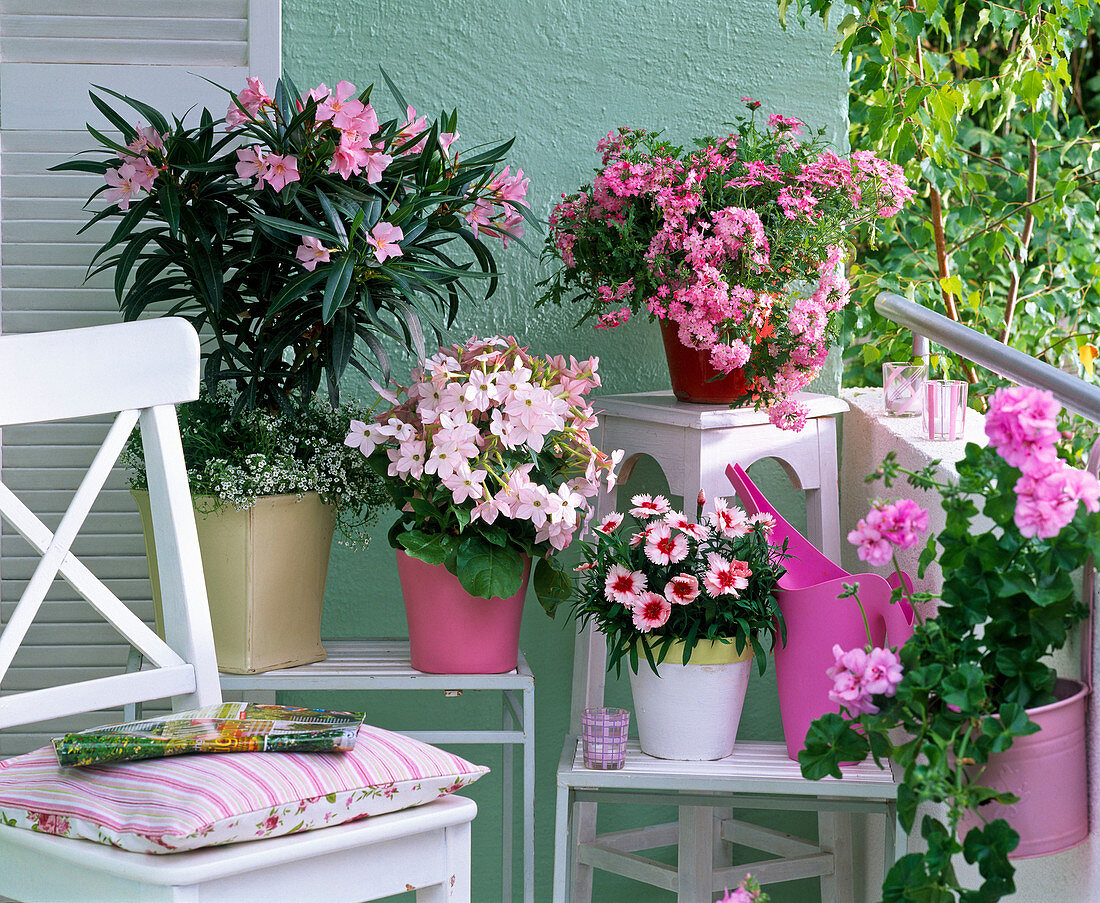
<point x="225" y="728"/>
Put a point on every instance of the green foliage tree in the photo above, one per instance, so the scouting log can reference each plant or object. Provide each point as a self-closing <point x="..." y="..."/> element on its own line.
<point x="991" y="108"/>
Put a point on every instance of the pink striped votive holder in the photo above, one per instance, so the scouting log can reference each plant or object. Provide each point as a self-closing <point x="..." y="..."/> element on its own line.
<point x="945" y="409"/>
<point x="903" y="388"/>
<point x="603" y="737"/>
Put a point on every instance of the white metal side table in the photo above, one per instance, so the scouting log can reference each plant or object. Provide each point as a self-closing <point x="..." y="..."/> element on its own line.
<point x="385" y="665"/>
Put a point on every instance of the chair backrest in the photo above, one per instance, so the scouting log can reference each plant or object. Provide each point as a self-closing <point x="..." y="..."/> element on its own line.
<point x="139" y="372"/>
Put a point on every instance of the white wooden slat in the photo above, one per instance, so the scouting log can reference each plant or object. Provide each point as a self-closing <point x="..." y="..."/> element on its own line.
<point x="149" y="52"/>
<point x="122" y="9"/>
<point x="51" y="655"/>
<point x="41" y="214"/>
<point x="130" y="27"/>
<point x="113" y="691"/>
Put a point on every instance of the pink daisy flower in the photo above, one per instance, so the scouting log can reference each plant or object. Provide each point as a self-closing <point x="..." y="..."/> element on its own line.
<point x="682" y="589"/>
<point x="725" y="577"/>
<point x="610" y="523"/>
<point x="646" y="505"/>
<point x="651" y="610"/>
<point x="623" y="586"/>
<point x="665" y="547"/>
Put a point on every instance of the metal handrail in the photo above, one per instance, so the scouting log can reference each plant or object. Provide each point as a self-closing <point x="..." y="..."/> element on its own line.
<point x="1073" y="393"/>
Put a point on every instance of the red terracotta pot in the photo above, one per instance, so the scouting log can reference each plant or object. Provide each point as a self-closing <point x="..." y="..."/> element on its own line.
<point x="694" y="379"/>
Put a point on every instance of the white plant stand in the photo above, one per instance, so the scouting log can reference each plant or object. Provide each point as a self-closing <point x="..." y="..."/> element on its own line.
<point x="384" y="665"/>
<point x="693" y="444"/>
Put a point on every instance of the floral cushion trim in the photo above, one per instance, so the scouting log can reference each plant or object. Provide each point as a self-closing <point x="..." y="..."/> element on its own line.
<point x="170" y="805"/>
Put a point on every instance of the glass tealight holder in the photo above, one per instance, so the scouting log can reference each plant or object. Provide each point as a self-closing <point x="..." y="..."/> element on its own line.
<point x="903" y="388"/>
<point x="603" y="737"/>
<point x="945" y="409"/>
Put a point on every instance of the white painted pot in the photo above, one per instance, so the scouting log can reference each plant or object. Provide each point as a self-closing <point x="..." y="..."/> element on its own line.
<point x="691" y="711"/>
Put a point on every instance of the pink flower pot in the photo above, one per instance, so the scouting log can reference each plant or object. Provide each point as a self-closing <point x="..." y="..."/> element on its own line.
<point x="1048" y="772"/>
<point x="452" y="632"/>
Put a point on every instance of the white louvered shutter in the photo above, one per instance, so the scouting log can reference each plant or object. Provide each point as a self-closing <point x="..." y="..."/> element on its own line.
<point x="51" y="53"/>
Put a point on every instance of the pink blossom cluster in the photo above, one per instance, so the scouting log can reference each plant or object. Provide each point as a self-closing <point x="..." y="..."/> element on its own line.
<point x="497" y="213"/>
<point x="748" y="891"/>
<point x="714" y="267"/>
<point x="138" y="170"/>
<point x="860" y="674"/>
<point x="670" y="540"/>
<point x="477" y="418"/>
<point x="1022" y="424"/>
<point x="888" y="526"/>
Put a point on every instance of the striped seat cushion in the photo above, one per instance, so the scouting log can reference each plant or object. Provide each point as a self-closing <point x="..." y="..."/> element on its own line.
<point x="168" y="805"/>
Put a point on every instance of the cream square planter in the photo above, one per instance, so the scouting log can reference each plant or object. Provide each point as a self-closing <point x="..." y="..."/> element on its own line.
<point x="265" y="570"/>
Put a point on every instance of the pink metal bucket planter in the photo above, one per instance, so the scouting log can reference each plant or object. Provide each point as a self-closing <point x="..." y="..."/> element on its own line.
<point x="452" y="632"/>
<point x="1048" y="772"/>
<point x="816" y="619"/>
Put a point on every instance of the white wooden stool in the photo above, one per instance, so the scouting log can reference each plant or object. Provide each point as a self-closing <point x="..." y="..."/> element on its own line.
<point x="693" y="444"/>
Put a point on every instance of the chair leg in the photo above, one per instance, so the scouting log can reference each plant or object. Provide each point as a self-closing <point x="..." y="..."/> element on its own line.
<point x="583" y="831"/>
<point x="563" y="844"/>
<point x="694" y="865"/>
<point x="723" y="851"/>
<point x="456" y="884"/>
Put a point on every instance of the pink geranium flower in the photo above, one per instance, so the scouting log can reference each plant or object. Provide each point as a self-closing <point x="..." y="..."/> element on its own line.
<point x="665" y="547"/>
<point x="623" y="586"/>
<point x="1022" y="424"/>
<point x="858" y="675"/>
<point x="682" y="589"/>
<point x="280" y="170"/>
<point x="1047" y="497"/>
<point x="311" y="252"/>
<point x="650" y="611"/>
<point x="725" y="577"/>
<point x="384" y="238"/>
<point x="888" y="526"/>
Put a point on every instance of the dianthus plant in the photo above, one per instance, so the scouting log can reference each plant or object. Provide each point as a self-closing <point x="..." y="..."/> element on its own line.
<point x="967" y="677"/>
<point x="661" y="577"/>
<point x="488" y="459"/>
<point x="739" y="242"/>
<point x="300" y="230"/>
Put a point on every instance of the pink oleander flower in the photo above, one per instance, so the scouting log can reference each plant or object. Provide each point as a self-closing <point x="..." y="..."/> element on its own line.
<point x="252" y="162"/>
<point x="610" y="524"/>
<point x="1022" y="424"/>
<point x="280" y="170"/>
<point x="384" y="238"/>
<point x="650" y="611"/>
<point x="682" y="589"/>
<point x="123" y="182"/>
<point x="858" y="675"/>
<point x="251" y="99"/>
<point x="311" y="252"/>
<point x="623" y="586"/>
<point x="1047" y="496"/>
<point x="665" y="547"/>
<point x="340" y="100"/>
<point x="414" y="125"/>
<point x="725" y="577"/>
<point x="446" y="139"/>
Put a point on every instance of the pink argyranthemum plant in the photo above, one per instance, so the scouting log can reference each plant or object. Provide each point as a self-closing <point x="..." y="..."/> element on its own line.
<point x="488" y="458"/>
<point x="1020" y="520"/>
<point x="656" y="576"/>
<point x="738" y="242"/>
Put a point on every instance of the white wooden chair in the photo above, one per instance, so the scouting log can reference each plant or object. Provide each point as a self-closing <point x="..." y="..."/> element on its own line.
<point x="139" y="371"/>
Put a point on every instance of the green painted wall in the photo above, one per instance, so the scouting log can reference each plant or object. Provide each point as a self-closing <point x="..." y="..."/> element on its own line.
<point x="558" y="74"/>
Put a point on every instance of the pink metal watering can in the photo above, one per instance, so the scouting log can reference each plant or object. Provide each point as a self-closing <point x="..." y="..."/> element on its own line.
<point x="816" y="619"/>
